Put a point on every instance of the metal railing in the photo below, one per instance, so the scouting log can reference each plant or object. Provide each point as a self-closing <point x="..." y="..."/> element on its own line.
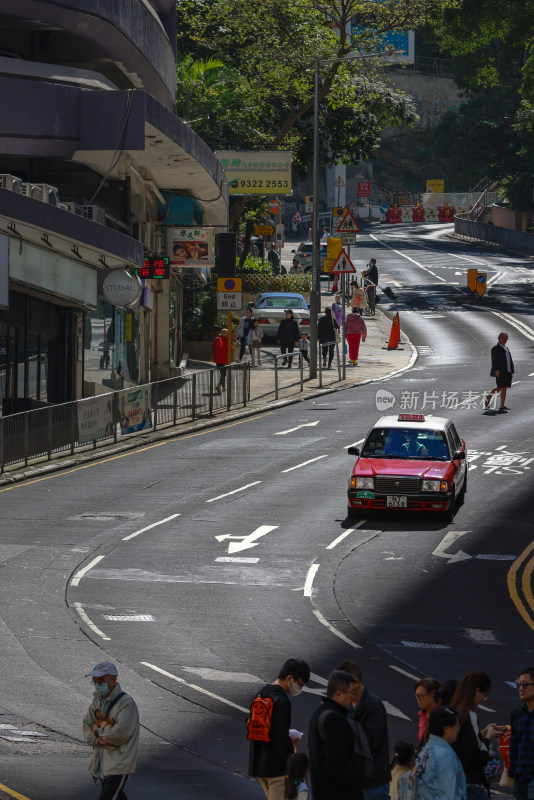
<point x="288" y="357"/>
<point x="41" y="433"/>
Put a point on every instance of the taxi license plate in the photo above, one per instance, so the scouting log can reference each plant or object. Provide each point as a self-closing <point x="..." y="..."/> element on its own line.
<point x="396" y="501"/>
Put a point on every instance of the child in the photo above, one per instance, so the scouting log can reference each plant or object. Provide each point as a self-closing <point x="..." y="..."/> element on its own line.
<point x="304" y="346"/>
<point x="255" y="335"/>
<point x="403" y="761"/>
<point x="297" y="771"/>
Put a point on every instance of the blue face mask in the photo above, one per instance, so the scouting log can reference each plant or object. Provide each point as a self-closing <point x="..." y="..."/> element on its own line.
<point x="101" y="688"/>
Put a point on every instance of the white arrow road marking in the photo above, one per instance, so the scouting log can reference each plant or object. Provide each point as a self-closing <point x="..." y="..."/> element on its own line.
<point x="447" y="541"/>
<point x="246" y="541"/>
<point x="241" y="489"/>
<point x="292" y="430"/>
<point x="354" y="444"/>
<point x="331" y="628"/>
<point x="393" y="711"/>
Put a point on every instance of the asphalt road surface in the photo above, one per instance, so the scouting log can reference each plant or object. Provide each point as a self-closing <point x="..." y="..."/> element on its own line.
<point x="199" y="564"/>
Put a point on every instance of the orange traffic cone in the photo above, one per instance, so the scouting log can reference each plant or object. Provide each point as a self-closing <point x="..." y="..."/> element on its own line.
<point x="394" y="335"/>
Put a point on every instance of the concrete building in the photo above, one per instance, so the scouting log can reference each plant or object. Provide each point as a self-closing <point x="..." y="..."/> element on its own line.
<point x="95" y="165"/>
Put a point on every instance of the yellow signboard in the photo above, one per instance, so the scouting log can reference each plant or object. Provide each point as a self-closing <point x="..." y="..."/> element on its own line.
<point x="472" y="279"/>
<point x="333" y="247"/>
<point x="264" y="230"/>
<point x="256" y="172"/>
<point x="229" y="284"/>
<point x="437" y="185"/>
<point x="477" y="281"/>
<point x="328" y="264"/>
<point x="339" y="211"/>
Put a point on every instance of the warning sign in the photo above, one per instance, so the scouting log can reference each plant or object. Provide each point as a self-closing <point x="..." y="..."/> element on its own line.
<point x="339" y="181"/>
<point x="343" y="263"/>
<point x="348" y="224"/>
<point x="297" y="217"/>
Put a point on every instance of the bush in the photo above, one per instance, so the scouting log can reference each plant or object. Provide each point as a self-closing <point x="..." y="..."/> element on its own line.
<point x="255" y="265"/>
<point x="267" y="282"/>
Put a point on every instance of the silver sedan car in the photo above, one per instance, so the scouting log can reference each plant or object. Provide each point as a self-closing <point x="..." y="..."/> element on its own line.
<point x="270" y="307"/>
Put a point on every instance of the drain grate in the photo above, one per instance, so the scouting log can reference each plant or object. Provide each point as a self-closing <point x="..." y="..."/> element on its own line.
<point x="425" y="350"/>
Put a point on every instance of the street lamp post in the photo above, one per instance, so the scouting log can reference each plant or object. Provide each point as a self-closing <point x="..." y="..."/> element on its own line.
<point x="315" y="294"/>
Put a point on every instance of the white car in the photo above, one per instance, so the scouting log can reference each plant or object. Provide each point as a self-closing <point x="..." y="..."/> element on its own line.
<point x="270" y="307"/>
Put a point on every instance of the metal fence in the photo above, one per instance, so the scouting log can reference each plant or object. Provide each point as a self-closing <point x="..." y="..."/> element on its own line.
<point x="521" y="242"/>
<point x="138" y="409"/>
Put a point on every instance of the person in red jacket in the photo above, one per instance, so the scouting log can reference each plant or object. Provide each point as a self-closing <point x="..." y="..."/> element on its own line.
<point x="355" y="329"/>
<point x="219" y="349"/>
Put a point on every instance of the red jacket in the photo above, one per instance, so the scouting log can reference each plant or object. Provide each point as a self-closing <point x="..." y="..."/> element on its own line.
<point x="219" y="349"/>
<point x="355" y="324"/>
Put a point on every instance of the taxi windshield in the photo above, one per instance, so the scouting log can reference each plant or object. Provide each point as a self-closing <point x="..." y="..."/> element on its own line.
<point x="411" y="443"/>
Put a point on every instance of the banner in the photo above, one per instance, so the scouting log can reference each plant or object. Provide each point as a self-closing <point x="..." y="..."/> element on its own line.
<point x="256" y="172"/>
<point x="135" y="410"/>
<point x="95" y="418"/>
<point x="190" y="246"/>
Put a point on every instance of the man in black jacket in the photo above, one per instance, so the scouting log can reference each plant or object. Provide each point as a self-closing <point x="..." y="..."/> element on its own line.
<point x="333" y="768"/>
<point x="288" y="336"/>
<point x="268" y="760"/>
<point x="369" y="711"/>
<point x="502" y="368"/>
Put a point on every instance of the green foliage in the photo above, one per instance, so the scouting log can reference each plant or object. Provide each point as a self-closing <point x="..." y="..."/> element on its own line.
<point x="202" y="316"/>
<point x="267" y="282"/>
<point x="253" y="264"/>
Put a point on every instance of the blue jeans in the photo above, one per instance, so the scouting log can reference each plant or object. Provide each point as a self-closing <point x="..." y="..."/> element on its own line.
<point x="476" y="793"/>
<point x="524" y="791"/>
<point x="378" y="793"/>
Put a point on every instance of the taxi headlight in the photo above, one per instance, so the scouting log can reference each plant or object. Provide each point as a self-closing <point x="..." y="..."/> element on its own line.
<point x="365" y="483"/>
<point x="434" y="486"/>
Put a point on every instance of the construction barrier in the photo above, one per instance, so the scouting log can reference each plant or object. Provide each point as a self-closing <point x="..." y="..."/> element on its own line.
<point x="394" y="214"/>
<point x="418" y="214"/>
<point x="446" y="213"/>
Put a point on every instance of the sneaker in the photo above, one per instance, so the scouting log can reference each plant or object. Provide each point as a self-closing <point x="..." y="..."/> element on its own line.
<point x="284" y="362"/>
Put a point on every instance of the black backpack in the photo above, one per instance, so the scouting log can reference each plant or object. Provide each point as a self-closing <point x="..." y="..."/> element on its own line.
<point x="362" y="751"/>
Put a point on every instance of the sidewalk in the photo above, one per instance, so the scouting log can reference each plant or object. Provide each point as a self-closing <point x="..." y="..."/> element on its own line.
<point x="375" y="360"/>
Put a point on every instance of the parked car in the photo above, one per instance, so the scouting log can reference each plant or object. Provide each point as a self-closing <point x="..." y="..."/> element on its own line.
<point x="269" y="309"/>
<point x="409" y="462"/>
<point x="302" y="257"/>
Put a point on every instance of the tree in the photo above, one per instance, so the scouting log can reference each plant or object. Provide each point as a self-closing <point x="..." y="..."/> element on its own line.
<point x="268" y="54"/>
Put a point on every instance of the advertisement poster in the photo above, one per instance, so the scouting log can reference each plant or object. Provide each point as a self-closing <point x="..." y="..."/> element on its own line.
<point x="256" y="172"/>
<point x="95" y="418"/>
<point x="135" y="410"/>
<point x="190" y="246"/>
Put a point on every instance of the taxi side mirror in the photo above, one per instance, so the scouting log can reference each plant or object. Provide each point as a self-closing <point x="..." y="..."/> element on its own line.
<point x="458" y="455"/>
<point x="353" y="451"/>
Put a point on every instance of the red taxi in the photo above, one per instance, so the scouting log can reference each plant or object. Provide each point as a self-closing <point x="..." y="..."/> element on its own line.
<point x="410" y="462"/>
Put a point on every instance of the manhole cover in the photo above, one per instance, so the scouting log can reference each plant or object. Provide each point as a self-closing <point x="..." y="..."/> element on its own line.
<point x="433" y="645"/>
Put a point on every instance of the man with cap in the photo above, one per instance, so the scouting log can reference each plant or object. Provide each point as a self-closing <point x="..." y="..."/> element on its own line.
<point x="111" y="726"/>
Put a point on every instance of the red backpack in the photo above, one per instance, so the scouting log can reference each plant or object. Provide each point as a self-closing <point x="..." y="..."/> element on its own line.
<point x="259" y="722"/>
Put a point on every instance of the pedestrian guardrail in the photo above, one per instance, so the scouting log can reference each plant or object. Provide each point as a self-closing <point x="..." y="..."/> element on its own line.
<point x="325" y="350"/>
<point x="288" y="357"/>
<point x="82" y="424"/>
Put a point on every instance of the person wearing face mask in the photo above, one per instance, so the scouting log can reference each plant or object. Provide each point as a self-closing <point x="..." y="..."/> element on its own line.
<point x="111" y="726"/>
<point x="268" y="759"/>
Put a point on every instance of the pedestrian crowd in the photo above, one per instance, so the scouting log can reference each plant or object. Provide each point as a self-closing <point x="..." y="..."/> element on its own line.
<point x="348" y="755"/>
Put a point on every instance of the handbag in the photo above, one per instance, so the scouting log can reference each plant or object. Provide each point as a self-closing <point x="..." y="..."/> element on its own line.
<point x="338" y="337"/>
<point x="494" y="768"/>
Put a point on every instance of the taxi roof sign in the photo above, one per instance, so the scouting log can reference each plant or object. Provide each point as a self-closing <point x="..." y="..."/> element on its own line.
<point x="411" y="418"/>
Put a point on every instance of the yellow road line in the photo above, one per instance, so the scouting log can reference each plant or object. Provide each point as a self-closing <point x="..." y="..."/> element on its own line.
<point x="134" y="452"/>
<point x="512" y="585"/>
<point x="13" y="793"/>
<point x="526" y="583"/>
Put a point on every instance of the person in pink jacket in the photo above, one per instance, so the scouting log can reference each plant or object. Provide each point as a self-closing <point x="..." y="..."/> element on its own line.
<point x="355" y="329"/>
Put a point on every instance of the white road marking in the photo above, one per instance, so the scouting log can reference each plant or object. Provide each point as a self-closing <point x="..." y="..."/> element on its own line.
<point x="129" y="617"/>
<point x="79" y="575"/>
<point x="403" y="255"/>
<point x="193" y="686"/>
<point x="89" y="623"/>
<point x="530" y="374"/>
<point x="319" y="679"/>
<point x="245" y="541"/>
<point x="403" y="672"/>
<point x="308" y="584"/>
<point x="345" y="534"/>
<point x="485" y="708"/>
<point x="292" y="430"/>
<point x="447" y="540"/>
<point x="355" y="444"/>
<point x="237" y="560"/>
<point x="149" y="527"/>
<point x="235" y="491"/>
<point x="220" y="675"/>
<point x="494" y="278"/>
<point x="331" y="628"/>
<point x="515" y="323"/>
<point x="393" y="711"/>
<point x="304" y="463"/>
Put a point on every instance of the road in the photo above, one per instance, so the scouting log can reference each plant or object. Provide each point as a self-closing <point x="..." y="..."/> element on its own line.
<point x="199" y="564"/>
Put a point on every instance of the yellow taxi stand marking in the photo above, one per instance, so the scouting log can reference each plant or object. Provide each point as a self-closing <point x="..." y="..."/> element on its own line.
<point x="512" y="585"/>
<point x="13" y="793"/>
<point x="130" y="453"/>
<point x="526" y="583"/>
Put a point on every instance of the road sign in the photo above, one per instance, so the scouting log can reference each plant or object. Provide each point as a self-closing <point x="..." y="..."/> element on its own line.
<point x="348" y="238"/>
<point x="333" y="247"/>
<point x="229" y="284"/>
<point x="364" y="188"/>
<point x="308" y="208"/>
<point x="339" y="211"/>
<point x="308" y="199"/>
<point x="348" y="224"/>
<point x="472" y="279"/>
<point x="264" y="230"/>
<point x="343" y="264"/>
<point x="481" y="283"/>
<point x="229" y="301"/>
<point x="339" y="181"/>
<point x="274" y="207"/>
<point x="297" y="217"/>
<point x="384" y="208"/>
<point x="329" y="262"/>
<point x="353" y="208"/>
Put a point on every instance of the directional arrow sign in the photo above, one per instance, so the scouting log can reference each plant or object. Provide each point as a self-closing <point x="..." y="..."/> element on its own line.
<point x="292" y="430"/>
<point x="245" y="542"/>
<point x="348" y="224"/>
<point x="446" y="542"/>
<point x="343" y="263"/>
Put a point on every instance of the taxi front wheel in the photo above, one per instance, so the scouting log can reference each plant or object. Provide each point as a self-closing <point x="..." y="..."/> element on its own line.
<point x="451" y="511"/>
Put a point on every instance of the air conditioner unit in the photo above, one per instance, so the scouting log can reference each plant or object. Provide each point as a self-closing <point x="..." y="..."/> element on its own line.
<point x="74" y="208"/>
<point x="94" y="213"/>
<point x="63" y="206"/>
<point x="32" y="190"/>
<point x="49" y="194"/>
<point x="11" y="183"/>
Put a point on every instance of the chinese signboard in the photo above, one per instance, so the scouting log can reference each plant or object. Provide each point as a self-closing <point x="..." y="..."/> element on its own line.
<point x="435" y="185"/>
<point x="95" y="418"/>
<point x="264" y="230"/>
<point x="156" y="268"/>
<point x="229" y="294"/>
<point x="190" y="246"/>
<point x="364" y="188"/>
<point x="135" y="410"/>
<point x="255" y="172"/>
